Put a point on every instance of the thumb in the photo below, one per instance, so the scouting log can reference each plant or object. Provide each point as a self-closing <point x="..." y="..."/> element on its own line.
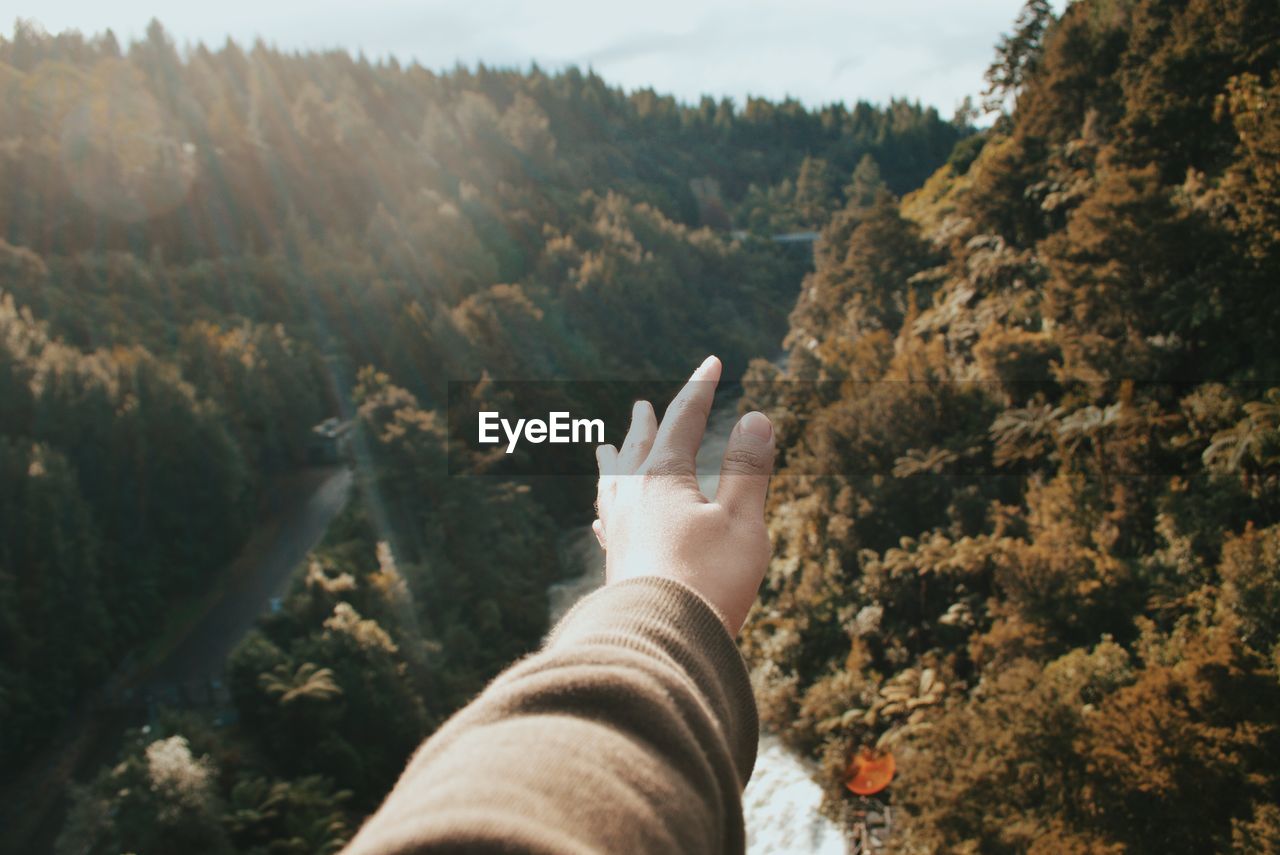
<point x="747" y="465"/>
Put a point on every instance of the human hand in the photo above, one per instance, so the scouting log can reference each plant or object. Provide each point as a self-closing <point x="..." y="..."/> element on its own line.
<point x="654" y="520"/>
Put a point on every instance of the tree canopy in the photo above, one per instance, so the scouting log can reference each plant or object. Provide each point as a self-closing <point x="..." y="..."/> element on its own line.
<point x="1033" y="457"/>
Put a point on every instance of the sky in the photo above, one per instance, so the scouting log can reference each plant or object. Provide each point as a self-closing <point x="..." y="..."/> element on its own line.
<point x="819" y="51"/>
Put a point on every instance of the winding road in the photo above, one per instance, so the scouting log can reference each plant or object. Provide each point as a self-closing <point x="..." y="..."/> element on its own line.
<point x="258" y="575"/>
<point x="297" y="511"/>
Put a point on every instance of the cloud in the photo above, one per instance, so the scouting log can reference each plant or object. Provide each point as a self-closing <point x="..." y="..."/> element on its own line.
<point x="817" y="50"/>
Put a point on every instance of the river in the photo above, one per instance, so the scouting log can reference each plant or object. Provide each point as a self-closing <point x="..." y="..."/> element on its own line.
<point x="781" y="802"/>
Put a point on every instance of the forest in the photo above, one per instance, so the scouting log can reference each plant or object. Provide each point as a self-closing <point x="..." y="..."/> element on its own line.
<point x="204" y="252"/>
<point x="1026" y="521"/>
<point x="1027" y="528"/>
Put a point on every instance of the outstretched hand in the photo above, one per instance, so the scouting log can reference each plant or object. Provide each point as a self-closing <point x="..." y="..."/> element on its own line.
<point x="654" y="520"/>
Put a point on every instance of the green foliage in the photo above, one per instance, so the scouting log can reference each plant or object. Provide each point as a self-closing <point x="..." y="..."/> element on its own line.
<point x="295" y="817"/>
<point x="159" y="798"/>
<point x="373" y="645"/>
<point x="223" y="246"/>
<point x="308" y="683"/>
<point x="214" y="241"/>
<point x="99" y="523"/>
<point x="866" y="182"/>
<point x="265" y="383"/>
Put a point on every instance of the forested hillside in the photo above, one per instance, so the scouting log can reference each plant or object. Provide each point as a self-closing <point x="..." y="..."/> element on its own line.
<point x="204" y="252"/>
<point x="1027" y="528"/>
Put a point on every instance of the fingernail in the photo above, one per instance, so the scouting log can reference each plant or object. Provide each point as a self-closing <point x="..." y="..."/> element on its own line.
<point x="637" y="411"/>
<point x="757" y="424"/>
<point x="705" y="366"/>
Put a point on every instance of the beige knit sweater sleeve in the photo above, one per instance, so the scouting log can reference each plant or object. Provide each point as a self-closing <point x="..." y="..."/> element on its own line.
<point x="633" y="730"/>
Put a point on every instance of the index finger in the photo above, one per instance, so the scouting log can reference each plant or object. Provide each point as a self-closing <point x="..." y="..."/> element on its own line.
<point x="685" y="421"/>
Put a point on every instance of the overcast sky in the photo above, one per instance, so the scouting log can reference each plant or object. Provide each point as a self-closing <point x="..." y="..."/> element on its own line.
<point x="816" y="50"/>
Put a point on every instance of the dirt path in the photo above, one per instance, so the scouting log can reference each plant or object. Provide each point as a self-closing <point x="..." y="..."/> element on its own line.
<point x="299" y="510"/>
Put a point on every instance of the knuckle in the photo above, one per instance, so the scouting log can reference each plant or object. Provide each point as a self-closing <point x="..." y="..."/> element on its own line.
<point x="664" y="466"/>
<point x="690" y="405"/>
<point x="745" y="461"/>
<point x="637" y="448"/>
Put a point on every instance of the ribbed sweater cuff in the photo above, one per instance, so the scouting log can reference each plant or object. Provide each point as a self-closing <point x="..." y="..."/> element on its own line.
<point x="654" y="614"/>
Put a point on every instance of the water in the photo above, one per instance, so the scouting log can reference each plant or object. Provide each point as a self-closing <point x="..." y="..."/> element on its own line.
<point x="781" y="802"/>
<point x="781" y="807"/>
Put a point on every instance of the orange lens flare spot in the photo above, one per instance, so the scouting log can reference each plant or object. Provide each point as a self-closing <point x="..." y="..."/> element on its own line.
<point x="869" y="772"/>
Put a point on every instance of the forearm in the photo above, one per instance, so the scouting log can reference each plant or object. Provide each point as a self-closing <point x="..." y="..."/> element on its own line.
<point x="633" y="730"/>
